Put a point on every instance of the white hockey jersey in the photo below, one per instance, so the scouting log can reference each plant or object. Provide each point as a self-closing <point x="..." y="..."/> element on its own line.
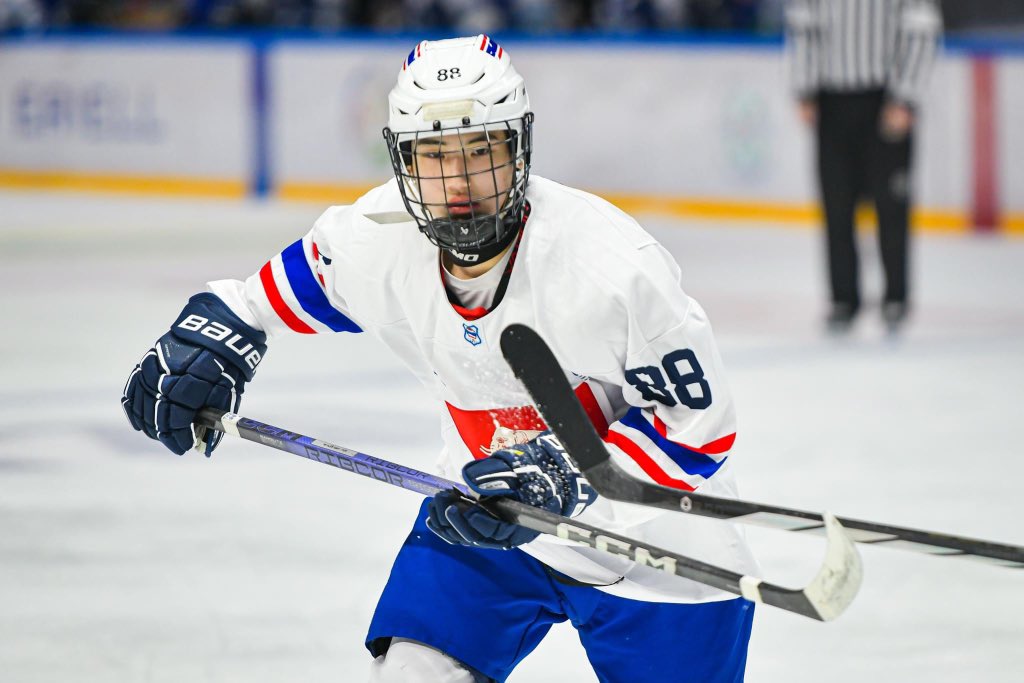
<point x="607" y="299"/>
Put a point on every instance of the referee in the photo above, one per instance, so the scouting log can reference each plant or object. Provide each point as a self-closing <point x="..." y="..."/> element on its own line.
<point x="859" y="68"/>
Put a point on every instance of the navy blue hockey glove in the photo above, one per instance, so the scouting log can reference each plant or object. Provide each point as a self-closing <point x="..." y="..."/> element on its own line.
<point x="204" y="360"/>
<point x="539" y="473"/>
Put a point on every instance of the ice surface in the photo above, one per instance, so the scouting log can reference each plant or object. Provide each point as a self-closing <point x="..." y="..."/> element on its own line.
<point x="121" y="562"/>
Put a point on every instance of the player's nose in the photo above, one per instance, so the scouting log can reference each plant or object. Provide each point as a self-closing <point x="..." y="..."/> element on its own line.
<point x="457" y="180"/>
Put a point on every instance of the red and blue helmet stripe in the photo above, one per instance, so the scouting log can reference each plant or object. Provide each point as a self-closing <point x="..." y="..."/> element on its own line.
<point x="490" y="47"/>
<point x="413" y="54"/>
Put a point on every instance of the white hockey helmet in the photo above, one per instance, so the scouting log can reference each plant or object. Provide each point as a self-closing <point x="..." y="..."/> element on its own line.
<point x="462" y="86"/>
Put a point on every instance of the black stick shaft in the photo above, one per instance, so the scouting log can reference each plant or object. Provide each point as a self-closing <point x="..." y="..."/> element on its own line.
<point x="537" y="368"/>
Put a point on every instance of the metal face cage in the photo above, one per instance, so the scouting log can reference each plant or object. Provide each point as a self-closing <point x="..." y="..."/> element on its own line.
<point x="464" y="185"/>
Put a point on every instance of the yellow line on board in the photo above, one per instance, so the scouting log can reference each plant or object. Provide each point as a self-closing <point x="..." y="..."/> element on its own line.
<point x="123" y="184"/>
<point x="679" y="207"/>
<point x="929" y="220"/>
<point x="321" y="193"/>
<point x="801" y="214"/>
<point x="713" y="208"/>
<point x="1013" y="223"/>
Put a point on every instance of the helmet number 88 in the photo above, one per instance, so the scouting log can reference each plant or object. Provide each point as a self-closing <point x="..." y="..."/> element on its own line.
<point x="448" y="74"/>
<point x="684" y="373"/>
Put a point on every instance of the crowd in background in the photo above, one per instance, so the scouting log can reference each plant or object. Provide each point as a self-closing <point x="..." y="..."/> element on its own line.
<point x="460" y="16"/>
<point x="455" y="16"/>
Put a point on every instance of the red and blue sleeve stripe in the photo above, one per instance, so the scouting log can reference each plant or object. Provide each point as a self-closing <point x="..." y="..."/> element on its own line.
<point x="309" y="292"/>
<point x="305" y="290"/>
<point x="641" y="436"/>
<point x="689" y="459"/>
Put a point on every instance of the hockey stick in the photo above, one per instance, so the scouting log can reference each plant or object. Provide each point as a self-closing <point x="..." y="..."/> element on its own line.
<point x="824" y="598"/>
<point x="535" y="365"/>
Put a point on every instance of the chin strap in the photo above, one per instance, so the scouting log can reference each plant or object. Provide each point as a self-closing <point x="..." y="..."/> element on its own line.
<point x="471" y="257"/>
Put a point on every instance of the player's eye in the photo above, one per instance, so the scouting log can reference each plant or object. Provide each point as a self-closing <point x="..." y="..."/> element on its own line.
<point x="481" y="151"/>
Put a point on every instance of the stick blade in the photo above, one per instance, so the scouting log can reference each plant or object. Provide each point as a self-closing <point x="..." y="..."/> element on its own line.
<point x="829" y="593"/>
<point x="535" y="365"/>
<point x="841" y="575"/>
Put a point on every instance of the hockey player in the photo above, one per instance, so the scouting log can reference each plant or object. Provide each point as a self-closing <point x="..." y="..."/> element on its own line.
<point x="469" y="596"/>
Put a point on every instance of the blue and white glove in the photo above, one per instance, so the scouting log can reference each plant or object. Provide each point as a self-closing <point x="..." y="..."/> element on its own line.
<point x="539" y="473"/>
<point x="203" y="361"/>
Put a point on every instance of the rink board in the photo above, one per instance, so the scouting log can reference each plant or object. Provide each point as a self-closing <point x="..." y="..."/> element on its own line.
<point x="696" y="128"/>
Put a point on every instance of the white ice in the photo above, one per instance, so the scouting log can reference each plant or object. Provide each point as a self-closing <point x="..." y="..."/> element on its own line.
<point x="122" y="562"/>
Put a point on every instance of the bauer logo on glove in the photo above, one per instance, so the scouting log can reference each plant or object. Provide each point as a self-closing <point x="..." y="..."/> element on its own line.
<point x="219" y="332"/>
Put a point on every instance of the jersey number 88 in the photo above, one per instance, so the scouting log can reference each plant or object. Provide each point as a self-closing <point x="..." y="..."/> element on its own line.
<point x="652" y="385"/>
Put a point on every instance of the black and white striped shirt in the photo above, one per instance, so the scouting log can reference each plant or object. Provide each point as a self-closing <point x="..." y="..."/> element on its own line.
<point x="850" y="45"/>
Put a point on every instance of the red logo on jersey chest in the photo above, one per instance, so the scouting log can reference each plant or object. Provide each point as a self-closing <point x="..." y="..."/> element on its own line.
<point x="485" y="431"/>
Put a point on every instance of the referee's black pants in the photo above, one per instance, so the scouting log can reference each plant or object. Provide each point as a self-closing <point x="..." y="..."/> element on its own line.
<point x="855" y="160"/>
